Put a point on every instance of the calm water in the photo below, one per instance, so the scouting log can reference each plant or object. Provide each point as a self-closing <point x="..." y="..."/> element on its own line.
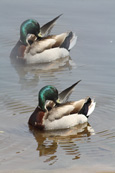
<point x="84" y="148"/>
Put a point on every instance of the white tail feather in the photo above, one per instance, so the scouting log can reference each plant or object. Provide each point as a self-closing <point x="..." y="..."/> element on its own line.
<point x="91" y="108"/>
<point x="73" y="41"/>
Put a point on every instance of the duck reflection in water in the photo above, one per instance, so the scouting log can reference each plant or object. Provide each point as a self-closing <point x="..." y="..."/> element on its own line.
<point x="29" y="74"/>
<point x="50" y="141"/>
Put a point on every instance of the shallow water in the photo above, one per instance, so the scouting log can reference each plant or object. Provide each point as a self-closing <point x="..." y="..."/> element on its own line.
<point x="87" y="148"/>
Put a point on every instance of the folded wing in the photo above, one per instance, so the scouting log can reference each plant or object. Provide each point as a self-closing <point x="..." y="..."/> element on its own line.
<point x="46" y="29"/>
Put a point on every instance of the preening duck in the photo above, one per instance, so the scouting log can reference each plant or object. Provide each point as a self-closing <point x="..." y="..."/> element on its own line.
<point x="52" y="113"/>
<point x="37" y="46"/>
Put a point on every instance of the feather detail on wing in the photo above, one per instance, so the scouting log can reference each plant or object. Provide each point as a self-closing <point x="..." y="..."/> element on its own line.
<point x="64" y="95"/>
<point x="46" y="29"/>
<point x="59" y="112"/>
<point x="65" y="109"/>
<point x="44" y="44"/>
<point x="40" y="46"/>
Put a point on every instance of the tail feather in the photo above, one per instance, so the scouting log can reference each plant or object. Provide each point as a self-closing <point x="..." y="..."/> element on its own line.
<point x="69" y="41"/>
<point x="73" y="41"/>
<point x="88" y="107"/>
<point x="91" y="107"/>
<point x="85" y="108"/>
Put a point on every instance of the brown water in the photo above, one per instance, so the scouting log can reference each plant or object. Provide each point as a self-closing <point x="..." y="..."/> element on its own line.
<point x="87" y="148"/>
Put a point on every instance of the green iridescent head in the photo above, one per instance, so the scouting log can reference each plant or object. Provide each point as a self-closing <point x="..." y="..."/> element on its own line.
<point x="29" y="26"/>
<point x="47" y="93"/>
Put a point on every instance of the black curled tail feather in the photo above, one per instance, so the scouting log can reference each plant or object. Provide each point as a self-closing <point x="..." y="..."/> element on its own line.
<point x="67" y="41"/>
<point x="84" y="109"/>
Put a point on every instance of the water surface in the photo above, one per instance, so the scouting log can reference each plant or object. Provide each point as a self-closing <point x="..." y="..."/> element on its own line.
<point x="86" y="148"/>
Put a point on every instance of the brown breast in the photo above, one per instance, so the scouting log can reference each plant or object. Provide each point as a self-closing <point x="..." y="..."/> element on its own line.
<point x="36" y="119"/>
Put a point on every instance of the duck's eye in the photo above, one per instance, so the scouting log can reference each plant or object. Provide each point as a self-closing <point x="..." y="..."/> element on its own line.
<point x="30" y="38"/>
<point x="49" y="108"/>
<point x="30" y="42"/>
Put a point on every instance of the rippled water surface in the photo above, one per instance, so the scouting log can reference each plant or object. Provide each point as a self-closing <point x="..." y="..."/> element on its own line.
<point x="87" y="148"/>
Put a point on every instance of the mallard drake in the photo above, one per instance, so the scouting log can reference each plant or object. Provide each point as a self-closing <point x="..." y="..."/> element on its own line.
<point x="37" y="46"/>
<point x="53" y="113"/>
